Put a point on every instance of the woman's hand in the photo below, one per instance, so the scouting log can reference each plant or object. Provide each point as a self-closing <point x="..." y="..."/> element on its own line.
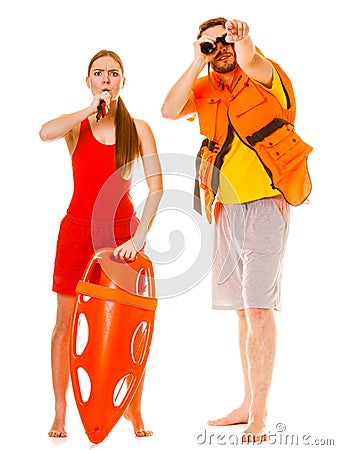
<point x="129" y="249"/>
<point x="105" y="95"/>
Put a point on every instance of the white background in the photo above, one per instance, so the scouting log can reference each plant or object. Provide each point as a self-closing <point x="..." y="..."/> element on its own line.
<point x="193" y="371"/>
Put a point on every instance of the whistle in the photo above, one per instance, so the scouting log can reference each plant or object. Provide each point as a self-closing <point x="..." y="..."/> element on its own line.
<point x="101" y="110"/>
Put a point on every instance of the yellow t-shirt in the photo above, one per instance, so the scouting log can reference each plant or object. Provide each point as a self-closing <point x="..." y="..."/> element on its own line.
<point x="242" y="176"/>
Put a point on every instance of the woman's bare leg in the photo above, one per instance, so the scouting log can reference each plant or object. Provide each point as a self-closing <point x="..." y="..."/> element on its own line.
<point x="60" y="362"/>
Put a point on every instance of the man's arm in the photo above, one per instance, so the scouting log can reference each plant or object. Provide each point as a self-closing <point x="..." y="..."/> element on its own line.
<point x="252" y="63"/>
<point x="178" y="102"/>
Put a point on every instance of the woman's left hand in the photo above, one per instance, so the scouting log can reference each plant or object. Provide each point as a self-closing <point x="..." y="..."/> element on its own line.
<point x="129" y="249"/>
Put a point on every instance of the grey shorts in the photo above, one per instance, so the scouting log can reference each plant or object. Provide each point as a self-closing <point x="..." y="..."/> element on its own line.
<point x="249" y="245"/>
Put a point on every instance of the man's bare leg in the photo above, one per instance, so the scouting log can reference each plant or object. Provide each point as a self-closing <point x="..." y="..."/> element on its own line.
<point x="133" y="413"/>
<point x="257" y="336"/>
<point x="60" y="362"/>
<point x="241" y="414"/>
<point x="261" y="349"/>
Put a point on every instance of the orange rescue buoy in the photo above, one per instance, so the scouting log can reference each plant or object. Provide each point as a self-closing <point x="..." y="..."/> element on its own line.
<point x="110" y="339"/>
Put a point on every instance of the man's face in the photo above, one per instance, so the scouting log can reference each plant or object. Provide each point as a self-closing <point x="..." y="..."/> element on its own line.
<point x="223" y="58"/>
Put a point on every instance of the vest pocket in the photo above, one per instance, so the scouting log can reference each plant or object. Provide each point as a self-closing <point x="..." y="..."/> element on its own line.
<point x="284" y="148"/>
<point x="209" y="110"/>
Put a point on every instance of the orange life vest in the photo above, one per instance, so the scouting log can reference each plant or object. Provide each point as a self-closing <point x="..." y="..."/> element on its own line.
<point x="262" y="124"/>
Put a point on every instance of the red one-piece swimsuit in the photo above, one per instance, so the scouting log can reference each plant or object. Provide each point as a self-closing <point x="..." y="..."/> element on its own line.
<point x="100" y="213"/>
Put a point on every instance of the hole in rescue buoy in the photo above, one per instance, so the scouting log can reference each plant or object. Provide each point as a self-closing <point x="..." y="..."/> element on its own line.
<point x="122" y="388"/>
<point x="84" y="384"/>
<point x="139" y="342"/>
<point x="82" y="334"/>
<point x="141" y="283"/>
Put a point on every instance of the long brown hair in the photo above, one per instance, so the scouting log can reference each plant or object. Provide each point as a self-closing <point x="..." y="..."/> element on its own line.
<point x="127" y="140"/>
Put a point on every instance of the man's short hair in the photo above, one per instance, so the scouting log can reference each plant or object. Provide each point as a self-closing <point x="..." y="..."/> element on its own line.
<point x="210" y="24"/>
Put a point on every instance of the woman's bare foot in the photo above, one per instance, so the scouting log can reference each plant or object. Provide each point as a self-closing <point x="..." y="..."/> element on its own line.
<point x="136" y="419"/>
<point x="255" y="432"/>
<point x="58" y="429"/>
<point x="237" y="416"/>
<point x="57" y="434"/>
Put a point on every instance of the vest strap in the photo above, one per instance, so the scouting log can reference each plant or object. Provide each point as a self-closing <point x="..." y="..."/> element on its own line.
<point x="220" y="153"/>
<point x="264" y="132"/>
<point x="197" y="194"/>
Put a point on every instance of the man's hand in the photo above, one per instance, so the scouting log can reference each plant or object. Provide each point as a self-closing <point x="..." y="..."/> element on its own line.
<point x="199" y="55"/>
<point x="236" y="30"/>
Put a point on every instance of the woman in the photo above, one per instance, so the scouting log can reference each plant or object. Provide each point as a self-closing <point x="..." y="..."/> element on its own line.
<point x="99" y="144"/>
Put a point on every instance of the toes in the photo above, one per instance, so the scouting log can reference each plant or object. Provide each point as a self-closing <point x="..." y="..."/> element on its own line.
<point x="252" y="438"/>
<point x="143" y="433"/>
<point x="57" y="434"/>
<point x="212" y="422"/>
<point x="140" y="433"/>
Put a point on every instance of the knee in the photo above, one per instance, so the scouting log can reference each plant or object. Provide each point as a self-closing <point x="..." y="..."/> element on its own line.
<point x="61" y="331"/>
<point x="257" y="313"/>
<point x="64" y="316"/>
<point x="259" y="317"/>
<point x="249" y="315"/>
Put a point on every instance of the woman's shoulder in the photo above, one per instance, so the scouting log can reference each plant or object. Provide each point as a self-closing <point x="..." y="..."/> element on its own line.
<point x="140" y="123"/>
<point x="142" y="126"/>
<point x="146" y="136"/>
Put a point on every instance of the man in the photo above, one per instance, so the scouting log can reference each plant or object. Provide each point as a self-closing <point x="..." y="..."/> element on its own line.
<point x="252" y="216"/>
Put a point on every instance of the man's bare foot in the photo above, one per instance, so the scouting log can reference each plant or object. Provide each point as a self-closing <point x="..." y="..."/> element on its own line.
<point x="237" y="416"/>
<point x="136" y="419"/>
<point x="255" y="432"/>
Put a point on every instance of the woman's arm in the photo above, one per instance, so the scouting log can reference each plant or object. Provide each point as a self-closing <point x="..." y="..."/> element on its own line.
<point x="61" y="126"/>
<point x="153" y="174"/>
<point x="68" y="125"/>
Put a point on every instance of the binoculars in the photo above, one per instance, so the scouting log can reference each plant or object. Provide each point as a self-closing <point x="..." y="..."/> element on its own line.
<point x="208" y="47"/>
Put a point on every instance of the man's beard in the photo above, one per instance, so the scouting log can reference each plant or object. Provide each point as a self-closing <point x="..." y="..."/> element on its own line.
<point x="225" y="67"/>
